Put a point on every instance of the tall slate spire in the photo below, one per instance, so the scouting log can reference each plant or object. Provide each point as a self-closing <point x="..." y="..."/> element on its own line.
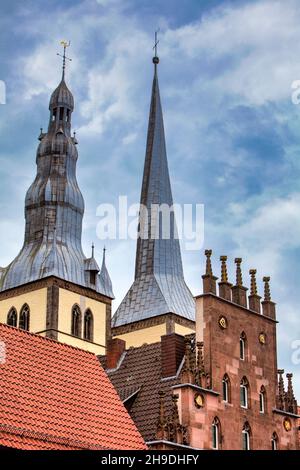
<point x="54" y="205"/>
<point x="159" y="286"/>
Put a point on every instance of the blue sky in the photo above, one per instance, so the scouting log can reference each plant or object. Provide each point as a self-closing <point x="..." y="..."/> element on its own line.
<point x="233" y="133"/>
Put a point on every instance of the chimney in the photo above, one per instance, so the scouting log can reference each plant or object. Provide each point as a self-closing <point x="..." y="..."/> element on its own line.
<point x="114" y="351"/>
<point x="172" y="353"/>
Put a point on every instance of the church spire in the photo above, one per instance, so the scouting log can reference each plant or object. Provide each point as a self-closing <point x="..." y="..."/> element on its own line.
<point x="159" y="285"/>
<point x="54" y="205"/>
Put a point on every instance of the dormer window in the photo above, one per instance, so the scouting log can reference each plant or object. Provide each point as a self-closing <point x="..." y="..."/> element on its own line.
<point x="93" y="277"/>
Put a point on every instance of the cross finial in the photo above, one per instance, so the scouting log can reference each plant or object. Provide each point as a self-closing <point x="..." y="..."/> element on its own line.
<point x="65" y="44"/>
<point x="155" y="59"/>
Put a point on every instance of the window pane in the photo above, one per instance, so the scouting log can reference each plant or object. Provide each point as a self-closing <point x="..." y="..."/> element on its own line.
<point x="242" y="349"/>
<point x="261" y="403"/>
<point x="214" y="436"/>
<point x="245" y="436"/>
<point x="225" y="390"/>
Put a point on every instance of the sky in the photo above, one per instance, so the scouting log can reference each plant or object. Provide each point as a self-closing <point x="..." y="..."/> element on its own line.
<point x="232" y="129"/>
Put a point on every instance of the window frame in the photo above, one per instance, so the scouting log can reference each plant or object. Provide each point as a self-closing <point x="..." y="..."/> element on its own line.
<point x="244" y="385"/>
<point x="262" y="400"/>
<point x="24" y="318"/>
<point x="12" y="311"/>
<point x="78" y="325"/>
<point x="215" y="434"/>
<point x="90" y="336"/>
<point x="243" y="340"/>
<point x="226" y="388"/>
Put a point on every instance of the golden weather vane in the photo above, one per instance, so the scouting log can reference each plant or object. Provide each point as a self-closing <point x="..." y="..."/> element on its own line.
<point x="65" y="44"/>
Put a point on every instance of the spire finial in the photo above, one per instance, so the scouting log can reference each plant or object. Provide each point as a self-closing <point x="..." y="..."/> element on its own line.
<point x="253" y="290"/>
<point x="65" y="44"/>
<point x="155" y="59"/>
<point x="224" y="275"/>
<point x="239" y="279"/>
<point x="267" y="293"/>
<point x="208" y="270"/>
<point x="93" y="248"/>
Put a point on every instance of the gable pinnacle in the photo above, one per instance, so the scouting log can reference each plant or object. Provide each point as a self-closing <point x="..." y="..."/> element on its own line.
<point x="239" y="279"/>
<point x="267" y="293"/>
<point x="224" y="275"/>
<point x="208" y="270"/>
<point x="253" y="290"/>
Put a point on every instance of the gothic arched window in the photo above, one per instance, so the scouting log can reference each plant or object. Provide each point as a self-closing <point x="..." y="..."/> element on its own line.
<point x="12" y="317"/>
<point x="246" y="434"/>
<point x="88" y="330"/>
<point x="243" y="340"/>
<point x="226" y="388"/>
<point x="76" y="321"/>
<point x="262" y="399"/>
<point x="244" y="393"/>
<point x="216" y="433"/>
<point x="24" y="319"/>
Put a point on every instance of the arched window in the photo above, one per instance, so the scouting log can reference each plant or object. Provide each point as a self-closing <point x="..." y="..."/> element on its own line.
<point x="244" y="393"/>
<point x="243" y="346"/>
<point x="12" y="317"/>
<point x="88" y="332"/>
<point x="226" y="388"/>
<point x="76" y="321"/>
<point x="262" y="399"/>
<point x="246" y="433"/>
<point x="216" y="433"/>
<point x="24" y="318"/>
<point x="274" y="441"/>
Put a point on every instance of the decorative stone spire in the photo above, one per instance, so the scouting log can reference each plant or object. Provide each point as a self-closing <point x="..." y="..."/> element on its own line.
<point x="239" y="292"/>
<point x="159" y="286"/>
<point x="200" y="375"/>
<point x="269" y="309"/>
<point x="281" y="391"/>
<point x="161" y="433"/>
<point x="224" y="285"/>
<point x="291" y="403"/>
<point x="209" y="280"/>
<point x="187" y="374"/>
<point x="254" y="298"/>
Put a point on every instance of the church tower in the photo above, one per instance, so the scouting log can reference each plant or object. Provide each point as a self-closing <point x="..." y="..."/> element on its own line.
<point x="51" y="288"/>
<point x="159" y="301"/>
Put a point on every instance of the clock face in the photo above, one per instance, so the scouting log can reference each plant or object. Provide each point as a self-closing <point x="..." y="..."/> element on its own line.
<point x="223" y="323"/>
<point x="262" y="338"/>
<point x="287" y="424"/>
<point x="199" y="400"/>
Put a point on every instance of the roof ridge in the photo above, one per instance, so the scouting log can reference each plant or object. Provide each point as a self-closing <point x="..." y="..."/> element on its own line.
<point x="58" y="343"/>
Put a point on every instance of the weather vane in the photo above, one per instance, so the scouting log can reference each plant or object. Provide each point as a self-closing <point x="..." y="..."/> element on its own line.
<point x="65" y="44"/>
<point x="155" y="58"/>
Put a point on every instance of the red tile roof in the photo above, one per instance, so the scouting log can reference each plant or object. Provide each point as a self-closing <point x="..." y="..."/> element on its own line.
<point x="55" y="396"/>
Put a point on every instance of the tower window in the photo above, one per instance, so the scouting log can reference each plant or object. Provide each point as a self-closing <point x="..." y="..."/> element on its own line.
<point x="88" y="332"/>
<point x="12" y="317"/>
<point x="244" y="391"/>
<point x="61" y="114"/>
<point x="54" y="114"/>
<point x="68" y="116"/>
<point x="274" y="441"/>
<point x="242" y="346"/>
<point x="262" y="400"/>
<point x="215" y="430"/>
<point x="76" y="321"/>
<point x="24" y="318"/>
<point x="226" y="388"/>
<point x="246" y="437"/>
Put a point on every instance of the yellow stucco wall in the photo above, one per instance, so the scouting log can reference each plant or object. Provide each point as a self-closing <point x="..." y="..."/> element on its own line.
<point x="183" y="330"/>
<point x="67" y="300"/>
<point x="146" y="335"/>
<point x="37" y="301"/>
<point x="80" y="343"/>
